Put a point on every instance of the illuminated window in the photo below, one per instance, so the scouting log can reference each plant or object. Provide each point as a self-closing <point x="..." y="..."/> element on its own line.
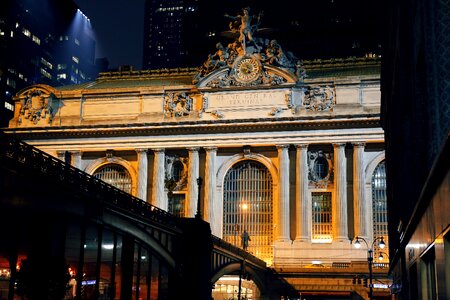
<point x="176" y="205"/>
<point x="321" y="218"/>
<point x="46" y="63"/>
<point x="248" y="204"/>
<point x="26" y="32"/>
<point x="2" y="32"/>
<point x="9" y="106"/>
<point x="45" y="73"/>
<point x="379" y="204"/>
<point x="36" y="40"/>
<point x="77" y="42"/>
<point x="115" y="175"/>
<point x="61" y="76"/>
<point x="75" y="59"/>
<point x="11" y="82"/>
<point x="62" y="66"/>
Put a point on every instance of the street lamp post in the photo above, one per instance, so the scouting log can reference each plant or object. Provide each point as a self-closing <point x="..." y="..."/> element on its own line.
<point x="381" y="244"/>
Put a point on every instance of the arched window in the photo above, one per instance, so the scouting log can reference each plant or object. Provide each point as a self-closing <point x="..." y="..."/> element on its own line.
<point x="115" y="175"/>
<point x="248" y="205"/>
<point x="379" y="205"/>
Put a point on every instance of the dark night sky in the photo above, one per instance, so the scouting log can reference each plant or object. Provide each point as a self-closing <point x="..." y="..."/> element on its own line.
<point x="118" y="26"/>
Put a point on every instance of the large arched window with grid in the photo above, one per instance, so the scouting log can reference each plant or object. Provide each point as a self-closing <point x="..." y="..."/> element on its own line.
<point x="379" y="205"/>
<point x="248" y="205"/>
<point x="115" y="175"/>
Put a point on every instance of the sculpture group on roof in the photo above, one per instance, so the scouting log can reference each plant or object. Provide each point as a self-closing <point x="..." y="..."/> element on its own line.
<point x="244" y="27"/>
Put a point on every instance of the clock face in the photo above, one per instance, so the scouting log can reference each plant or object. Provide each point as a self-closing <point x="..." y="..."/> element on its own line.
<point x="247" y="70"/>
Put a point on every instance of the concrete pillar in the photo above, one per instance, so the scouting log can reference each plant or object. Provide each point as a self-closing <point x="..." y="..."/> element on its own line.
<point x="359" y="208"/>
<point x="159" y="198"/>
<point x="283" y="193"/>
<point x="142" y="174"/>
<point x="303" y="199"/>
<point x="193" y="174"/>
<point x="340" y="219"/>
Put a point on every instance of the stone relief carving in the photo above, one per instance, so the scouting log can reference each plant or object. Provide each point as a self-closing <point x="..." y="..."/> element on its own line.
<point x="320" y="169"/>
<point x="176" y="176"/>
<point x="275" y="111"/>
<point x="218" y="114"/>
<point x="247" y="56"/>
<point x="177" y="104"/>
<point x="37" y="105"/>
<point x="320" y="98"/>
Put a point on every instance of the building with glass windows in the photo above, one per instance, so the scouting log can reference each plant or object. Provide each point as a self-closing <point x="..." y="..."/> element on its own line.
<point x="290" y="152"/>
<point x="57" y="51"/>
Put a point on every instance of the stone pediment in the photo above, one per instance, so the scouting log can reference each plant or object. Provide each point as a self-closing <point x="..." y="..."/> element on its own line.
<point x="249" y="60"/>
<point x="235" y="76"/>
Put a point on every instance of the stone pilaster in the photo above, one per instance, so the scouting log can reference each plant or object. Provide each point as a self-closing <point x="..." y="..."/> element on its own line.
<point x="75" y="157"/>
<point x="360" y="211"/>
<point x="340" y="218"/>
<point x="142" y="174"/>
<point x="193" y="173"/>
<point x="303" y="199"/>
<point x="283" y="193"/>
<point x="159" y="198"/>
<point x="211" y="213"/>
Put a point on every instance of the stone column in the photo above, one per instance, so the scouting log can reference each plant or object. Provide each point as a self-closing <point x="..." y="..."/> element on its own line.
<point x="142" y="174"/>
<point x="359" y="208"/>
<point x="283" y="193"/>
<point x="159" y="198"/>
<point x="76" y="159"/>
<point x="340" y="218"/>
<point x="193" y="173"/>
<point x="303" y="206"/>
<point x="210" y="212"/>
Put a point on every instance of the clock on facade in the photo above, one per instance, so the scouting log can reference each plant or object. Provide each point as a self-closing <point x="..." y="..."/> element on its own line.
<point x="247" y="69"/>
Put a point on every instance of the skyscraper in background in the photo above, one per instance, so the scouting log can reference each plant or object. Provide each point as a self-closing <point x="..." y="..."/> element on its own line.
<point x="46" y="42"/>
<point x="183" y="32"/>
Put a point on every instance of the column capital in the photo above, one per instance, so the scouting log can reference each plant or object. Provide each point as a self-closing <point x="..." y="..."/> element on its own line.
<point x="210" y="148"/>
<point x="301" y="146"/>
<point x="193" y="149"/>
<point x="337" y="145"/>
<point x="140" y="150"/>
<point x="282" y="146"/>
<point x="158" y="150"/>
<point x="358" y="144"/>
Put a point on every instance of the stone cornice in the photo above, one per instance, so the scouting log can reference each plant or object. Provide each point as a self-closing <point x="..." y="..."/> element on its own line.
<point x="200" y="127"/>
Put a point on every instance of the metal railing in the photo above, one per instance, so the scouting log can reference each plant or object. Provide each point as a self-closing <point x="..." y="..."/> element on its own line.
<point x="221" y="244"/>
<point x="19" y="156"/>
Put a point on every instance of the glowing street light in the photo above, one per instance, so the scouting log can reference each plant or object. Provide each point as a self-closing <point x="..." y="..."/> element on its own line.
<point x="381" y="244"/>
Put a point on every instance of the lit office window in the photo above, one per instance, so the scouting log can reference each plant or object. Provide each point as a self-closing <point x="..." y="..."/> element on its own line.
<point x="45" y="73"/>
<point x="379" y="204"/>
<point x="115" y="175"/>
<point x="11" y="82"/>
<point x="26" y="32"/>
<point x="248" y="204"/>
<point x="62" y="76"/>
<point x="75" y="59"/>
<point x="36" y="40"/>
<point x="322" y="230"/>
<point x="77" y="42"/>
<point x="9" y="106"/>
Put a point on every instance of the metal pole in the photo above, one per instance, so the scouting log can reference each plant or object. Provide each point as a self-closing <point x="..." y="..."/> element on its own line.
<point x="240" y="281"/>
<point x="370" y="261"/>
<point x="198" y="214"/>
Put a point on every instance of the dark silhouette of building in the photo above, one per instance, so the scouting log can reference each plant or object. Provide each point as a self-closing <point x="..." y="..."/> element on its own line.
<point x="48" y="42"/>
<point x="416" y="119"/>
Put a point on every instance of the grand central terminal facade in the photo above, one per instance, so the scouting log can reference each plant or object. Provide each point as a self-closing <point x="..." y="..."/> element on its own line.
<point x="290" y="151"/>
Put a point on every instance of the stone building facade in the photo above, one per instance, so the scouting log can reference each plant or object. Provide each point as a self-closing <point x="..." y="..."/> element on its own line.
<point x="290" y="151"/>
